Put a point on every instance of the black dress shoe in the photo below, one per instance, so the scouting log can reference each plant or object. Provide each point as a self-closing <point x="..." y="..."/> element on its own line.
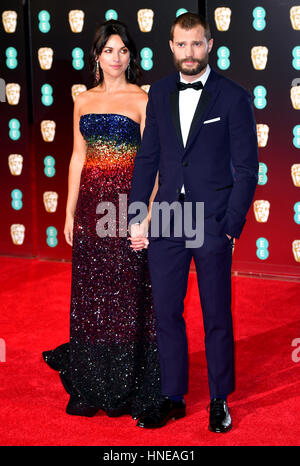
<point x="162" y="413"/>
<point x="76" y="407"/>
<point x="219" y="417"/>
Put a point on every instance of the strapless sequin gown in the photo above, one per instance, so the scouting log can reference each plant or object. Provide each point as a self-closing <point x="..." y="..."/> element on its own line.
<point x="111" y="361"/>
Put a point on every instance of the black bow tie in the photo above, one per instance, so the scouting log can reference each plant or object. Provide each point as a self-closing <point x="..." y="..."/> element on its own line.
<point x="182" y="86"/>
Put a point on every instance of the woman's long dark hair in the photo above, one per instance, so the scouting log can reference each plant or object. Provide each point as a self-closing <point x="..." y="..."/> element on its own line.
<point x="103" y="33"/>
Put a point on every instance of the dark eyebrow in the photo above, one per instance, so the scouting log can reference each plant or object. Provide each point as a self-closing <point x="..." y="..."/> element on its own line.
<point x="108" y="47"/>
<point x="184" y="42"/>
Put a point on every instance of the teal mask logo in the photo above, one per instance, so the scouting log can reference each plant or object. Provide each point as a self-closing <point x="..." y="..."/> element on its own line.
<point x="146" y="58"/>
<point x="51" y="237"/>
<point x="296" y="139"/>
<point x="262" y="174"/>
<point x="296" y="57"/>
<point x="180" y="11"/>
<point x="11" y="58"/>
<point x="223" y="54"/>
<point x="46" y="91"/>
<point x="111" y="14"/>
<point x="297" y="213"/>
<point x="259" y="22"/>
<point x="44" y="21"/>
<point x="14" y="129"/>
<point x="77" y="55"/>
<point x="260" y="100"/>
<point x="16" y="196"/>
<point x="262" y="245"/>
<point x="49" y="168"/>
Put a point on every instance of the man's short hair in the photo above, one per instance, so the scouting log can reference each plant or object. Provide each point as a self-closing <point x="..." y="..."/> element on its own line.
<point x="189" y="21"/>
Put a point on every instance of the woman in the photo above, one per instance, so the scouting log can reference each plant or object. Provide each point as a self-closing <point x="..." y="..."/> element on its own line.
<point x="111" y="362"/>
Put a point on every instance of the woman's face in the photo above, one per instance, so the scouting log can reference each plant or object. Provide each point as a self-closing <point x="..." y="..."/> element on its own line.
<point x="115" y="56"/>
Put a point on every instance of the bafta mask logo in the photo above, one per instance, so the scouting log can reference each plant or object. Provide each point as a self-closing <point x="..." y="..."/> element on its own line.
<point x="296" y="249"/>
<point x="146" y="87"/>
<point x="17" y="232"/>
<point x="259" y="57"/>
<point x="77" y="89"/>
<point x="9" y="20"/>
<point x="76" y="20"/>
<point x="261" y="211"/>
<point x="295" y="172"/>
<point x="13" y="93"/>
<point x="222" y="18"/>
<point x="50" y="201"/>
<point x="262" y="134"/>
<point x="295" y="97"/>
<point x="15" y="163"/>
<point x="145" y="19"/>
<point x="45" y="55"/>
<point x="295" y="17"/>
<point x="48" y="130"/>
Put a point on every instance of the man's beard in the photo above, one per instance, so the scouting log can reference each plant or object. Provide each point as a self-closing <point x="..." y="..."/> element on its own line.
<point x="200" y="65"/>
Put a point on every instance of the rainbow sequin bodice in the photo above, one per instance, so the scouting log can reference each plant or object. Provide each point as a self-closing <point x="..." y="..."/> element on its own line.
<point x="112" y="140"/>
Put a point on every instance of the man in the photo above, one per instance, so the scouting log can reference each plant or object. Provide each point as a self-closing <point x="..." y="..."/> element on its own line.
<point x="200" y="136"/>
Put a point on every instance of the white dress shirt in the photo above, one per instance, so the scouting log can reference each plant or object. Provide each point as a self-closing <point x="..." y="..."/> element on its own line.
<point x="188" y="101"/>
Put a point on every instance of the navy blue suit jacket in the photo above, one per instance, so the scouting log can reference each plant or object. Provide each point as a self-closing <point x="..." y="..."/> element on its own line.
<point x="218" y="165"/>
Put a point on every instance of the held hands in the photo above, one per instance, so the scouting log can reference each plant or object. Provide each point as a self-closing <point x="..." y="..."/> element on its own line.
<point x="68" y="229"/>
<point x="139" y="235"/>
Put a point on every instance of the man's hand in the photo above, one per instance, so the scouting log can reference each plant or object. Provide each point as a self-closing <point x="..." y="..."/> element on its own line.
<point x="233" y="242"/>
<point x="138" y="235"/>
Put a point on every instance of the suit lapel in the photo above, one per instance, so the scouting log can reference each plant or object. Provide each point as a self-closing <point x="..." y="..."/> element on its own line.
<point x="207" y="98"/>
<point x="202" y="104"/>
<point x="174" y="102"/>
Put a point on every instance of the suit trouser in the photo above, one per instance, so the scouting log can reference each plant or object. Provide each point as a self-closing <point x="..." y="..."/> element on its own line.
<point x="169" y="263"/>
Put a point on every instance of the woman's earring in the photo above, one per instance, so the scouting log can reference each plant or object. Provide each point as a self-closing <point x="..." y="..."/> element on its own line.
<point x="128" y="71"/>
<point x="97" y="71"/>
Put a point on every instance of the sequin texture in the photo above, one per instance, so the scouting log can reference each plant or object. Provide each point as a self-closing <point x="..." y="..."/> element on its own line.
<point x="112" y="359"/>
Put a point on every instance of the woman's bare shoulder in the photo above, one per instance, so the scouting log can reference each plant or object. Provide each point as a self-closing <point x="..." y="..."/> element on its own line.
<point x="84" y="98"/>
<point x="141" y="97"/>
<point x="86" y="95"/>
<point x="139" y="92"/>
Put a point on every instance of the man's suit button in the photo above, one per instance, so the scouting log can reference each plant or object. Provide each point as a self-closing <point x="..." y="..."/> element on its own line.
<point x="185" y="163"/>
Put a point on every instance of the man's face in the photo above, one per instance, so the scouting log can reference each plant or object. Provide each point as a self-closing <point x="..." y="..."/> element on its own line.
<point x="190" y="50"/>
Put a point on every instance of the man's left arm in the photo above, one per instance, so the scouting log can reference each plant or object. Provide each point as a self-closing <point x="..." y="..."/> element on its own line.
<point x="244" y="157"/>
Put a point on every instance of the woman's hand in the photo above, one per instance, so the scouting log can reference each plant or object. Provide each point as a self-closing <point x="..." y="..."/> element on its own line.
<point x="138" y="235"/>
<point x="68" y="230"/>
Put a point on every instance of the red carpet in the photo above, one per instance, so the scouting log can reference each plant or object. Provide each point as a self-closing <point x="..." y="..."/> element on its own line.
<point x="265" y="406"/>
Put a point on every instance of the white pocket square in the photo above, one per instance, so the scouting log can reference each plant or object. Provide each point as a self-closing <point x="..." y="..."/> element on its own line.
<point x="211" y="121"/>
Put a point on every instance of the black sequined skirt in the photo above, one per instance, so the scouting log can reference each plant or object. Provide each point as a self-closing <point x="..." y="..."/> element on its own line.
<point x="111" y="361"/>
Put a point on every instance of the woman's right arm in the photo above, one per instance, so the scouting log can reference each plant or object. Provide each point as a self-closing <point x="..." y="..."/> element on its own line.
<point x="75" y="168"/>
